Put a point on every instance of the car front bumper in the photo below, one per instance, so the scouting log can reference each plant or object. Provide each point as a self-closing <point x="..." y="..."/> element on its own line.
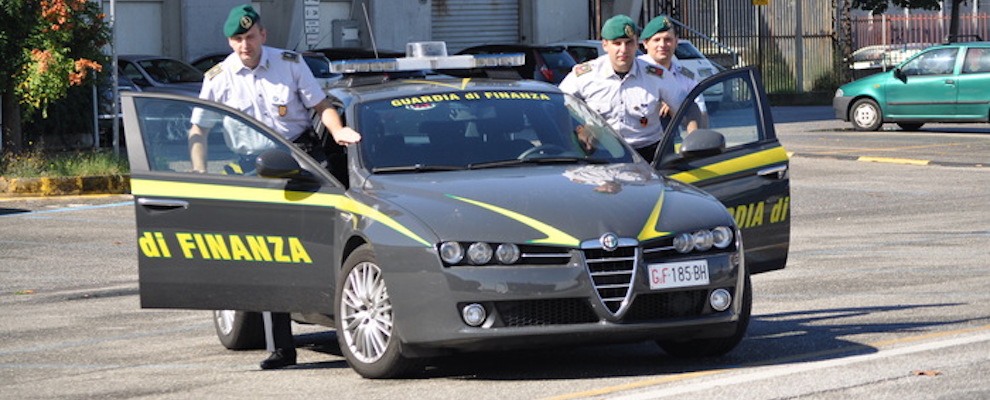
<point x="841" y="106"/>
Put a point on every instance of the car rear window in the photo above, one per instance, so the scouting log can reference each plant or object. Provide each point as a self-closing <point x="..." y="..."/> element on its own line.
<point x="686" y="51"/>
<point x="558" y="59"/>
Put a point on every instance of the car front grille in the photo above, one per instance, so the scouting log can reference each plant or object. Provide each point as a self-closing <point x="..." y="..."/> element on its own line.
<point x="545" y="312"/>
<point x="612" y="273"/>
<point x="667" y="305"/>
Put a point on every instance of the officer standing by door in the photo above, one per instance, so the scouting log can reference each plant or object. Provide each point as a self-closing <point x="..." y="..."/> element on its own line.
<point x="660" y="41"/>
<point x="626" y="91"/>
<point x="277" y="88"/>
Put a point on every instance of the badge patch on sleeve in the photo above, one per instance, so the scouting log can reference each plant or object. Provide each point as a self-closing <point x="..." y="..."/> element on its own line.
<point x="282" y="110"/>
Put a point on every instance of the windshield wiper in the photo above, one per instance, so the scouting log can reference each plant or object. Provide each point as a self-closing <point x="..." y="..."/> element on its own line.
<point x="537" y="160"/>
<point x="417" y="168"/>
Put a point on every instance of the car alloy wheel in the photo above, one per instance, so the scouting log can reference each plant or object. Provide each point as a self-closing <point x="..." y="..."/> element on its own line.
<point x="366" y="329"/>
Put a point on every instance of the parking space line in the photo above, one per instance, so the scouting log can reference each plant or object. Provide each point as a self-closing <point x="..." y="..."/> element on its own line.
<point x="776" y="369"/>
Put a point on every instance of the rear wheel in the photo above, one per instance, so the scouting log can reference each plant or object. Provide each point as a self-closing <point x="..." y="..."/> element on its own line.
<point x="865" y="115"/>
<point x="366" y="328"/>
<point x="910" y="126"/>
<point x="239" y="330"/>
<point x="711" y="347"/>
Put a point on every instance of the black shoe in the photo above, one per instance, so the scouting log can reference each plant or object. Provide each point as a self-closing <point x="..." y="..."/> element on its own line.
<point x="280" y="358"/>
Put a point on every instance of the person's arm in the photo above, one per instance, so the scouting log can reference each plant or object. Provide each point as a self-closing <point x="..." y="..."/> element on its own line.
<point x="342" y="135"/>
<point x="197" y="148"/>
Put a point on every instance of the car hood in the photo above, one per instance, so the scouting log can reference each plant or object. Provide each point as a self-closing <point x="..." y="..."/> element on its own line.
<point x="867" y="82"/>
<point x="554" y="205"/>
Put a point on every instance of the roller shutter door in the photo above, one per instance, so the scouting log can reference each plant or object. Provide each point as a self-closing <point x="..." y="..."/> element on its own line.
<point x="464" y="23"/>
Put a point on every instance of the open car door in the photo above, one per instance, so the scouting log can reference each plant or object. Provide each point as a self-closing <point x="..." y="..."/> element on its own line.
<point x="734" y="154"/>
<point x="227" y="238"/>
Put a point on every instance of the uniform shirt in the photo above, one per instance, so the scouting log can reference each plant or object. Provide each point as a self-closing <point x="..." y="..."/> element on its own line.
<point x="631" y="104"/>
<point x="279" y="92"/>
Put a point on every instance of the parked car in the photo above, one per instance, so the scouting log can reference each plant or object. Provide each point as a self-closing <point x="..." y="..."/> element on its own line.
<point x="317" y="63"/>
<point x="475" y="213"/>
<point x="160" y="74"/>
<point x="543" y="63"/>
<point x="944" y="83"/>
<point x="582" y="50"/>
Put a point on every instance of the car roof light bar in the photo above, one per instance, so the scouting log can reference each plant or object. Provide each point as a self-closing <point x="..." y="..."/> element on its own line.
<point x="428" y="56"/>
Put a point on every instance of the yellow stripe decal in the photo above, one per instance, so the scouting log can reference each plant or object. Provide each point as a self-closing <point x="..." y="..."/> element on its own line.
<point x="142" y="187"/>
<point x="650" y="229"/>
<point x="554" y="235"/>
<point x="464" y="83"/>
<point x="750" y="161"/>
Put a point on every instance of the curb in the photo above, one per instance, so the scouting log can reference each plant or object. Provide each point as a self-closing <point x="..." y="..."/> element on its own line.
<point x="72" y="185"/>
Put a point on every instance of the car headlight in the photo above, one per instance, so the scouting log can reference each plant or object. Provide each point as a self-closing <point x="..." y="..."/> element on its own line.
<point x="479" y="253"/>
<point x="451" y="252"/>
<point x="720" y="237"/>
<point x="507" y="253"/>
<point x="838" y="93"/>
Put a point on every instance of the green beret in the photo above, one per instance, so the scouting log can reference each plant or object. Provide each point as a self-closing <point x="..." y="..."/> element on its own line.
<point x="659" y="24"/>
<point x="619" y="26"/>
<point x="241" y="19"/>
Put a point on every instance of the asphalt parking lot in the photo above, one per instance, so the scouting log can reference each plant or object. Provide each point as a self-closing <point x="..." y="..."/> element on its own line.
<point x="884" y="296"/>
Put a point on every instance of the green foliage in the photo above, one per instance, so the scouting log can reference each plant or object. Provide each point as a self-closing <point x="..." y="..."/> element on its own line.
<point x="37" y="163"/>
<point x="47" y="46"/>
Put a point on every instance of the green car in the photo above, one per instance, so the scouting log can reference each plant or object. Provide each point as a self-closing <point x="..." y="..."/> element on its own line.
<point x="944" y="83"/>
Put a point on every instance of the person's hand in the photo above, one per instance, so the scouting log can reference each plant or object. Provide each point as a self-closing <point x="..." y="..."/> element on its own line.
<point x="664" y="109"/>
<point x="345" y="136"/>
<point x="586" y="139"/>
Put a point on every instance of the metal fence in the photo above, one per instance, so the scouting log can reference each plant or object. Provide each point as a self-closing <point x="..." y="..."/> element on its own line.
<point x="793" y="42"/>
<point x="926" y="29"/>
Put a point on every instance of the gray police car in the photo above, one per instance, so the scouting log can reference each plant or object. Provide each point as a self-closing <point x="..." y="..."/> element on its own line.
<point x="476" y="213"/>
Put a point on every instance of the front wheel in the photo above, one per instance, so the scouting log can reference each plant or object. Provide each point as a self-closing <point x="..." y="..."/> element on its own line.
<point x="239" y="330"/>
<point x="366" y="328"/>
<point x="711" y="347"/>
<point x="866" y="115"/>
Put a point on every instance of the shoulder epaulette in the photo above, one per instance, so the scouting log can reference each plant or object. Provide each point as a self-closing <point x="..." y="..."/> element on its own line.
<point x="654" y="70"/>
<point x="210" y="73"/>
<point x="290" y="56"/>
<point x="582" y="69"/>
<point x="686" y="72"/>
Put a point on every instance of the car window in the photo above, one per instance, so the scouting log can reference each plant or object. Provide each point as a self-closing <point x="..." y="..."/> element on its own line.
<point x="932" y="62"/>
<point x="233" y="144"/>
<point x="582" y="54"/>
<point x="737" y="119"/>
<point x="171" y="71"/>
<point x="557" y="59"/>
<point x="686" y="51"/>
<point x="130" y="71"/>
<point x="977" y="60"/>
<point x="462" y="129"/>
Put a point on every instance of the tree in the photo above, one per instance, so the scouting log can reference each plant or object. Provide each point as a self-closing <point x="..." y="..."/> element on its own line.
<point x="46" y="46"/>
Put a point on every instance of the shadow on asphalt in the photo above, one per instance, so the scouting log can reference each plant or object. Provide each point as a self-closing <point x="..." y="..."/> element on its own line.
<point x="784" y="114"/>
<point x="772" y="339"/>
<point x="8" y="211"/>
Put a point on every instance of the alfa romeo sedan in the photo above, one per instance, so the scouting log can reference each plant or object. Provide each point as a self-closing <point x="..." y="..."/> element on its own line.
<point x="945" y="83"/>
<point x="476" y="213"/>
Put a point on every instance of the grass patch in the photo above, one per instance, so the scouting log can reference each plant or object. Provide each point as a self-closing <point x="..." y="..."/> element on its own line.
<point x="37" y="163"/>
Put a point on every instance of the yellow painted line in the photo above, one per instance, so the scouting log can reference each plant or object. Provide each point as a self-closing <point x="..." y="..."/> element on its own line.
<point x="891" y="160"/>
<point x="784" y="360"/>
<point x="862" y="149"/>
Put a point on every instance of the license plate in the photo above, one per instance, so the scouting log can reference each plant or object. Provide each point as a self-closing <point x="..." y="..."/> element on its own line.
<point x="678" y="274"/>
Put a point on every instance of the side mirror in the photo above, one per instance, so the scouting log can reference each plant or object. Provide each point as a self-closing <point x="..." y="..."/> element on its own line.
<point x="280" y="164"/>
<point x="900" y="74"/>
<point x="702" y="143"/>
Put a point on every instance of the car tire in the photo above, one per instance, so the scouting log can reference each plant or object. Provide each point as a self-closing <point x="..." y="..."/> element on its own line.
<point x="239" y="330"/>
<point x="712" y="347"/>
<point x="866" y="115"/>
<point x="366" y="329"/>
<point x="910" y="126"/>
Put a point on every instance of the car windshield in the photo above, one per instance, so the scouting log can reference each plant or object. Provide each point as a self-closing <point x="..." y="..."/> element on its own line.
<point x="171" y="71"/>
<point x="687" y="51"/>
<point x="483" y="129"/>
